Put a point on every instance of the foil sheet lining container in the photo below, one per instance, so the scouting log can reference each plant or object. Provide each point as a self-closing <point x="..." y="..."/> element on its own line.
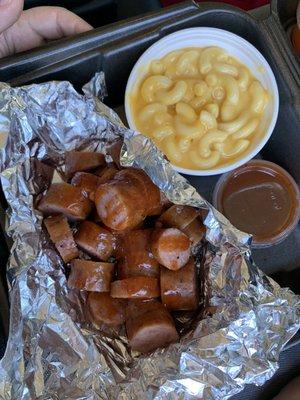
<point x="53" y="352"/>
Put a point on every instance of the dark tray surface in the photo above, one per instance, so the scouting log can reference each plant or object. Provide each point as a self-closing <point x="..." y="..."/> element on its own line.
<point x="85" y="55"/>
<point x="284" y="17"/>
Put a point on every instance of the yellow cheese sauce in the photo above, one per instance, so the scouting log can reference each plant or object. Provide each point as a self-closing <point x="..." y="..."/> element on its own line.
<point x="203" y="108"/>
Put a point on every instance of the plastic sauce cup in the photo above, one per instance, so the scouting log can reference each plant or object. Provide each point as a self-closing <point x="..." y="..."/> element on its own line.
<point x="259" y="198"/>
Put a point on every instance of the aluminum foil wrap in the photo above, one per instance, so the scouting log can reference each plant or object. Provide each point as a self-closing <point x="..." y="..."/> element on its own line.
<point x="53" y="352"/>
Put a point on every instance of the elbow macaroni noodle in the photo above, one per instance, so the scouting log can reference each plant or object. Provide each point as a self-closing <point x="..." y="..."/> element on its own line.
<point x="202" y="107"/>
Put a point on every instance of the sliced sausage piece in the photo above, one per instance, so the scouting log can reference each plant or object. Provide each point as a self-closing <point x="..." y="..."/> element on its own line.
<point x="179" y="289"/>
<point x="170" y="247"/>
<point x="61" y="235"/>
<point x="95" y="240"/>
<point x="91" y="276"/>
<point x="138" y="307"/>
<point x="151" y="193"/>
<point x="127" y="270"/>
<point x="79" y="161"/>
<point x="149" y="326"/>
<point x="114" y="151"/>
<point x="63" y="198"/>
<point x="195" y="231"/>
<point x="124" y="270"/>
<point x="104" y="309"/>
<point x="87" y="183"/>
<point x="107" y="173"/>
<point x="142" y="287"/>
<point x="178" y="216"/>
<point x="136" y="258"/>
<point x="166" y="203"/>
<point x="120" y="205"/>
<point x="125" y="201"/>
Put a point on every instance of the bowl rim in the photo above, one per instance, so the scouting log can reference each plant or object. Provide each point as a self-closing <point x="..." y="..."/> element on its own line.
<point x="221" y="34"/>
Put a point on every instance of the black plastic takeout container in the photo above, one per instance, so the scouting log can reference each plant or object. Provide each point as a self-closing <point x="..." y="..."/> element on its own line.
<point x="284" y="16"/>
<point x="115" y="48"/>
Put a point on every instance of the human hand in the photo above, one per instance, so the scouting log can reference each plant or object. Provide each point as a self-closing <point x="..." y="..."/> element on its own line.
<point x="291" y="391"/>
<point x="23" y="30"/>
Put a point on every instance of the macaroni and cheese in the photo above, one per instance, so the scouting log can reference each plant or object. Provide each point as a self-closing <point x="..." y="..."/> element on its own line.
<point x="202" y="107"/>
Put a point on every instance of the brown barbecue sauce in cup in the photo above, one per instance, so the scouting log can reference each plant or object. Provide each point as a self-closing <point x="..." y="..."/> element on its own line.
<point x="260" y="198"/>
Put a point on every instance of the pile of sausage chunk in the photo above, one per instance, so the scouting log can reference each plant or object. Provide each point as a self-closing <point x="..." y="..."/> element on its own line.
<point x="127" y="246"/>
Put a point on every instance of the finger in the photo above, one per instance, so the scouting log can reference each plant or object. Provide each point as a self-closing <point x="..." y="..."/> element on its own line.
<point x="291" y="391"/>
<point x="10" y="11"/>
<point x="38" y="25"/>
<point x="55" y="22"/>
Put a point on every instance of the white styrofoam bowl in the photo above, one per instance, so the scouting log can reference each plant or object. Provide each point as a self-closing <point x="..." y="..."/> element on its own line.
<point x="237" y="47"/>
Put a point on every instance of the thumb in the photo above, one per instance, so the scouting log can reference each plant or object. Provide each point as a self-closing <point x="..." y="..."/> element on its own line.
<point x="10" y="11"/>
